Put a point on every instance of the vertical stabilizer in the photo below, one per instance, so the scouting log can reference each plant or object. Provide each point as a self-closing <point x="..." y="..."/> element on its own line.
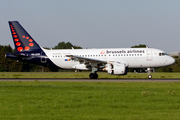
<point x="22" y="40"/>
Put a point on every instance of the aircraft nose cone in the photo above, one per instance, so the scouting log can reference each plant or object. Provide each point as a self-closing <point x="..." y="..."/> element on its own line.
<point x="171" y="60"/>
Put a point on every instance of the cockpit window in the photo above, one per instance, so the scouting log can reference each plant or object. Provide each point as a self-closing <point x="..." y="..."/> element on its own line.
<point x="162" y="54"/>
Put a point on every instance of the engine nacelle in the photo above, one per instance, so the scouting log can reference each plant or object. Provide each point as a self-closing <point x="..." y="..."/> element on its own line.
<point x="116" y="69"/>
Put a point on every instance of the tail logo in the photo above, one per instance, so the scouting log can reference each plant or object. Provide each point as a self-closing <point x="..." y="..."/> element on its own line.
<point x="19" y="48"/>
<point x="18" y="43"/>
<point x="30" y="41"/>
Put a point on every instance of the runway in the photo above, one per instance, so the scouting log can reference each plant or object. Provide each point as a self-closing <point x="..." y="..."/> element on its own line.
<point x="89" y="80"/>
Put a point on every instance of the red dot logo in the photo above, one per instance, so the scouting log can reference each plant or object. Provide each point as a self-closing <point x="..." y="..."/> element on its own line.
<point x="15" y="36"/>
<point x="16" y="39"/>
<point x="30" y="40"/>
<point x="18" y="44"/>
<point x="27" y="48"/>
<point x="19" y="48"/>
<point x="31" y="44"/>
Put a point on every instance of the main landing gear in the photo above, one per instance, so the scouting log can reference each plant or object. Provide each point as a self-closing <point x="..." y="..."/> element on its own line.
<point x="93" y="75"/>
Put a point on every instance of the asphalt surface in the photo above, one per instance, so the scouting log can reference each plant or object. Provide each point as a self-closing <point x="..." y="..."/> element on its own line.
<point x="90" y="80"/>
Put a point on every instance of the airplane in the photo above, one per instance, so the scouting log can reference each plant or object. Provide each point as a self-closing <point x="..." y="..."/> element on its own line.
<point x="115" y="61"/>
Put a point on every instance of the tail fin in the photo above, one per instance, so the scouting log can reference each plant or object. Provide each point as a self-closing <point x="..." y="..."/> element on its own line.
<point x="22" y="40"/>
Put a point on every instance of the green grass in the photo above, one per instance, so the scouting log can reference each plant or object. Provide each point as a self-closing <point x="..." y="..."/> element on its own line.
<point x="102" y="75"/>
<point x="89" y="101"/>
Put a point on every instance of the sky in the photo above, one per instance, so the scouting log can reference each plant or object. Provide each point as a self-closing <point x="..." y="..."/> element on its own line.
<point x="95" y="23"/>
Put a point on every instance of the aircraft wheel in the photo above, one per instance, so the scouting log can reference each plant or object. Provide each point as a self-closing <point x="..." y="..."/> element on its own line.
<point x="93" y="76"/>
<point x="96" y="76"/>
<point x="149" y="76"/>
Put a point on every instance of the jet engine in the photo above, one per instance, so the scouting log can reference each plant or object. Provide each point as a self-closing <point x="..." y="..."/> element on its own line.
<point x="116" y="69"/>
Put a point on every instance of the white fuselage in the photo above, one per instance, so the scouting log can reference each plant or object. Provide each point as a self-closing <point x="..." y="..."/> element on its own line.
<point x="132" y="57"/>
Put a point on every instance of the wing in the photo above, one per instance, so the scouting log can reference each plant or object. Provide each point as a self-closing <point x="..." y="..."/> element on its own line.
<point x="89" y="62"/>
<point x="86" y="59"/>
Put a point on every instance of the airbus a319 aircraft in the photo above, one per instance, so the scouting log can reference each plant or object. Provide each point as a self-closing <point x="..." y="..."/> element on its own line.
<point x="115" y="61"/>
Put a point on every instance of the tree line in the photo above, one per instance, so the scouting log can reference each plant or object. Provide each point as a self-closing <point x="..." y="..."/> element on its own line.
<point x="9" y="65"/>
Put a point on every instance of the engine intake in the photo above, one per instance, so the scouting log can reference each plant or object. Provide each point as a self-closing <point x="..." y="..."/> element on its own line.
<point x="116" y="69"/>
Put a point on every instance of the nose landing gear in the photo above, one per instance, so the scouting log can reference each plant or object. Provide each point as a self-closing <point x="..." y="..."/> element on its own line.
<point x="149" y="73"/>
<point x="149" y="76"/>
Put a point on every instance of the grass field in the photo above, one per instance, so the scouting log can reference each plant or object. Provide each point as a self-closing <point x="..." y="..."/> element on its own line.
<point x="83" y="75"/>
<point x="89" y="101"/>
